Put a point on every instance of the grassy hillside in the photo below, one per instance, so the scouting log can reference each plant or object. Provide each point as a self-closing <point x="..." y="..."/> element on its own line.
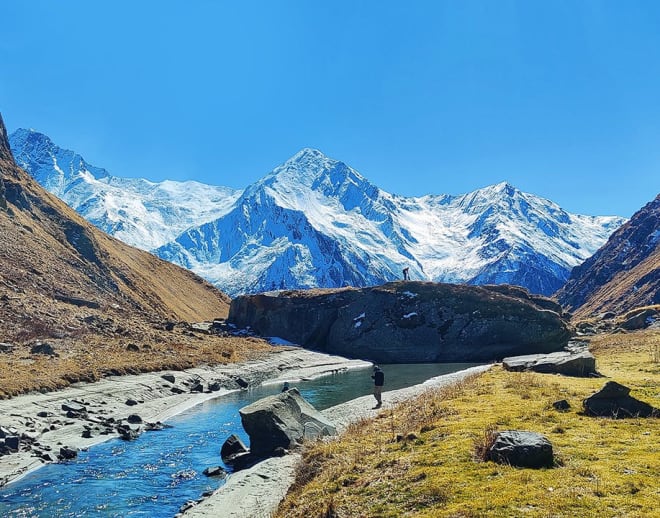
<point x="421" y="458"/>
<point x="101" y="306"/>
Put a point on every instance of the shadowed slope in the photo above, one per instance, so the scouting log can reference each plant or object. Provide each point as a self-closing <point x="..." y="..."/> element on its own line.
<point x="624" y="273"/>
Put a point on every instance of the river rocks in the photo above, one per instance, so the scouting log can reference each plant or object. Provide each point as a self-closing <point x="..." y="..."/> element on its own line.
<point x="169" y="378"/>
<point x="614" y="400"/>
<point x="72" y="406"/>
<point x="409" y="321"/>
<point x="282" y="420"/>
<point x="67" y="453"/>
<point x="215" y="471"/>
<point x="562" y="362"/>
<point x="128" y="432"/>
<point x="231" y="448"/>
<point x="521" y="449"/>
<point x="13" y="442"/>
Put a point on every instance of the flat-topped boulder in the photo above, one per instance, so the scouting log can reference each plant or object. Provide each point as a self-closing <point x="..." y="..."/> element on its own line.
<point x="561" y="362"/>
<point x="409" y="321"/>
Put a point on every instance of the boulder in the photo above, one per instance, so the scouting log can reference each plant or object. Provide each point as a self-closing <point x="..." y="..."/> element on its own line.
<point x="282" y="420"/>
<point x="639" y="319"/>
<point x="521" y="449"/>
<point x="6" y="432"/>
<point x="215" y="471"/>
<point x="67" y="453"/>
<point x="562" y="362"/>
<point x="197" y="387"/>
<point x="72" y="406"/>
<point x="13" y="442"/>
<point x="231" y="448"/>
<point x="128" y="432"/>
<point x="562" y="405"/>
<point x="614" y="400"/>
<point x="408" y="321"/>
<point x="169" y="377"/>
<point x="43" y="348"/>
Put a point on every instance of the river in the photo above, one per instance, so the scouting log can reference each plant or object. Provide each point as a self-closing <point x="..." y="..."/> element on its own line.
<point x="156" y="474"/>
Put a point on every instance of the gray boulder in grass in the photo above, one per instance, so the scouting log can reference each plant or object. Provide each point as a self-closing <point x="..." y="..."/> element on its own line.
<point x="521" y="449"/>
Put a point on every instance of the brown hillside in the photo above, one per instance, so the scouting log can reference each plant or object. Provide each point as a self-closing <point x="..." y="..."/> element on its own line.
<point x="89" y="295"/>
<point x="623" y="274"/>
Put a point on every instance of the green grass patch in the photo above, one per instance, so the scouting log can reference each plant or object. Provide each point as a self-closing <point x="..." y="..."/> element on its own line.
<point x="424" y="458"/>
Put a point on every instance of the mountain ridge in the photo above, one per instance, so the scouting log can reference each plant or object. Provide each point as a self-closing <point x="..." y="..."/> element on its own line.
<point x="623" y="273"/>
<point x="313" y="221"/>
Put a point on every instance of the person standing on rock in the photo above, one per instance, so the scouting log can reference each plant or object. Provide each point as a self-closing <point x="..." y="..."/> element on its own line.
<point x="406" y="274"/>
<point x="379" y="380"/>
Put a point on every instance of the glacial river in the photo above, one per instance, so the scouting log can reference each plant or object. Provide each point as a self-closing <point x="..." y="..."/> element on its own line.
<point x="156" y="474"/>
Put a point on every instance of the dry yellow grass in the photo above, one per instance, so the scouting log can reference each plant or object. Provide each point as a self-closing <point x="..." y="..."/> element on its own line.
<point x="90" y="297"/>
<point x="92" y="358"/>
<point x="419" y="459"/>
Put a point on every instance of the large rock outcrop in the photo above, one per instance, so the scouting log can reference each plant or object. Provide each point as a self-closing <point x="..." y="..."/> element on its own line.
<point x="282" y="421"/>
<point x="409" y="321"/>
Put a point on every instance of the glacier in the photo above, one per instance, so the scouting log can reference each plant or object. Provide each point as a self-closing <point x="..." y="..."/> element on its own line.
<point x="316" y="222"/>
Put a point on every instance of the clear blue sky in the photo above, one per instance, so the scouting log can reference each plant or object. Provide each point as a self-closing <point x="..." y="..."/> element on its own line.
<point x="560" y="98"/>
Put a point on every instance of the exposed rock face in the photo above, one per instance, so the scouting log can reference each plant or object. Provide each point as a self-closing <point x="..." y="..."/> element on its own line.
<point x="562" y="362"/>
<point x="614" y="400"/>
<point x="5" y="150"/>
<point x="409" y="321"/>
<point x="282" y="421"/>
<point x="522" y="449"/>
<point x="624" y="273"/>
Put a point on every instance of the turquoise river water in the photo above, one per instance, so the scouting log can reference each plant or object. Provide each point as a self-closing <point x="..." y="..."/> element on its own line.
<point x="156" y="474"/>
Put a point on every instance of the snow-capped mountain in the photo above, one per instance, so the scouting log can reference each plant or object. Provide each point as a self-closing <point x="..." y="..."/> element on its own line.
<point x="141" y="213"/>
<point x="315" y="222"/>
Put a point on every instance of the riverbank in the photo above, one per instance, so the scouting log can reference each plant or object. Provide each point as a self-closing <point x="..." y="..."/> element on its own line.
<point x="257" y="491"/>
<point x="45" y="427"/>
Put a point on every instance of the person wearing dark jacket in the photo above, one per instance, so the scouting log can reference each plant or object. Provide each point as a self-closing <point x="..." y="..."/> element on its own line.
<point x="379" y="380"/>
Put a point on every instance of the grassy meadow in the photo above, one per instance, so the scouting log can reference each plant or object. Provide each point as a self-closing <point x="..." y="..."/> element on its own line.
<point x="422" y="458"/>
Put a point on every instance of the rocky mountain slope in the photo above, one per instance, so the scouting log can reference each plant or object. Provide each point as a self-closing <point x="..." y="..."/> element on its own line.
<point x="409" y="321"/>
<point x="624" y="273"/>
<point x="72" y="299"/>
<point x="140" y="213"/>
<point x="315" y="222"/>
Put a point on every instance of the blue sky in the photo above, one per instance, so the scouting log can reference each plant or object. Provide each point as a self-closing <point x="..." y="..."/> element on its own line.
<point x="561" y="98"/>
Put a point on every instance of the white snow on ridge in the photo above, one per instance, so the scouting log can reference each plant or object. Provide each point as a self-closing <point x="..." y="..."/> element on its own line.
<point x="139" y="212"/>
<point x="315" y="222"/>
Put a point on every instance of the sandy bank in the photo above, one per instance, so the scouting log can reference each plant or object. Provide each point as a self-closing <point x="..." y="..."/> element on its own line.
<point x="256" y="492"/>
<point x="52" y="429"/>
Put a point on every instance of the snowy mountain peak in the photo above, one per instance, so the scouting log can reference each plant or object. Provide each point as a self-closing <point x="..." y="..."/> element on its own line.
<point x="139" y="212"/>
<point x="316" y="222"/>
<point x="307" y="154"/>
